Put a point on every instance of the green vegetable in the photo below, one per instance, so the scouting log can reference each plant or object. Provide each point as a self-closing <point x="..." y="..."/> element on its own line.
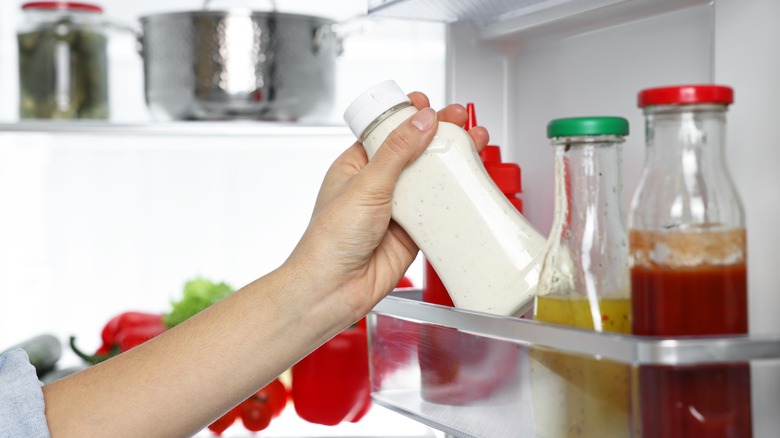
<point x="199" y="293"/>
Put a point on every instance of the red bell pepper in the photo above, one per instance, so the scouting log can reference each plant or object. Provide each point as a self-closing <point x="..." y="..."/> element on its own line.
<point x="224" y="422"/>
<point x="122" y="333"/>
<point x="331" y="384"/>
<point x="128" y="320"/>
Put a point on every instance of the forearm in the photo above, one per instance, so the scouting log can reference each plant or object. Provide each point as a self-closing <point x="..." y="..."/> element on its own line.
<point x="188" y="376"/>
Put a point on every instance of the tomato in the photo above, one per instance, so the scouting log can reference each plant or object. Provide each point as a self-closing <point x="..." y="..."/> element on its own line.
<point x="225" y="421"/>
<point x="275" y="394"/>
<point x="256" y="414"/>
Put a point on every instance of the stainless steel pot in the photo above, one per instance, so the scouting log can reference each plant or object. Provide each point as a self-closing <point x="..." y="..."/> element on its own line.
<point x="238" y="64"/>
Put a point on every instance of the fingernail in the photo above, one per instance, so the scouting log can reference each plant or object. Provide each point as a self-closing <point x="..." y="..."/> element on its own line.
<point x="424" y="119"/>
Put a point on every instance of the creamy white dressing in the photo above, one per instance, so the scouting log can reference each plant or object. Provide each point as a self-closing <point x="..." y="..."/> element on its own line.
<point x="486" y="253"/>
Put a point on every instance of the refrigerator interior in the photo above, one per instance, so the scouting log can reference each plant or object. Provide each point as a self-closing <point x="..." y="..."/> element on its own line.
<point x="96" y="223"/>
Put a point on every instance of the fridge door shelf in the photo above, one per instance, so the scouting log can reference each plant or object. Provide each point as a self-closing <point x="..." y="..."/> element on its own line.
<point x="469" y="374"/>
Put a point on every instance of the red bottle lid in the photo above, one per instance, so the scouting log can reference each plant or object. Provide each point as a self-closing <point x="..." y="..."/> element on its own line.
<point x="686" y="95"/>
<point x="63" y="6"/>
<point x="490" y="155"/>
<point x="472" y="120"/>
<point x="506" y="176"/>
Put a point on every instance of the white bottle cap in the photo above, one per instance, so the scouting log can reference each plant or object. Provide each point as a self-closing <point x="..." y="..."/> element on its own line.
<point x="372" y="104"/>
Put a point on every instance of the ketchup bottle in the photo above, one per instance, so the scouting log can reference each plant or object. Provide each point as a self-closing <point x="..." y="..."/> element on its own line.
<point x="687" y="241"/>
<point x="507" y="177"/>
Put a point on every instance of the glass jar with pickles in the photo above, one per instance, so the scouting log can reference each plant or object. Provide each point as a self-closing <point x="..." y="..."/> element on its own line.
<point x="62" y="61"/>
<point x="584" y="282"/>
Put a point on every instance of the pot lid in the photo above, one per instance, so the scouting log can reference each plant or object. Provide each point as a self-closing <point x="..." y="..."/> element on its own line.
<point x="62" y="6"/>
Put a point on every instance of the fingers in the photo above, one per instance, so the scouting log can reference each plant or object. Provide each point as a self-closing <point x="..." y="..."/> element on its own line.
<point x="480" y="136"/>
<point x="419" y="100"/>
<point x="455" y="114"/>
<point x="400" y="148"/>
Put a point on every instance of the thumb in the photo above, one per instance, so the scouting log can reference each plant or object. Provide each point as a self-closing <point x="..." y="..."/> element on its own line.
<point x="402" y="147"/>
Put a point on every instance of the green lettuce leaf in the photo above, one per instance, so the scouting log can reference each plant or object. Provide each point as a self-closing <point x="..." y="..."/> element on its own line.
<point x="198" y="294"/>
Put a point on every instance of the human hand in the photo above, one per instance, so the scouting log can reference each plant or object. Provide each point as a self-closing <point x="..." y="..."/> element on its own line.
<point x="351" y="245"/>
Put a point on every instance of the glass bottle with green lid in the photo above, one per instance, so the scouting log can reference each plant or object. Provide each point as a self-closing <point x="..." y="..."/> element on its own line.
<point x="584" y="282"/>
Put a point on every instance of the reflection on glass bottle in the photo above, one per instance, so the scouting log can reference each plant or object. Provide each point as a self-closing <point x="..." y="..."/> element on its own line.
<point x="584" y="282"/>
<point x="688" y="263"/>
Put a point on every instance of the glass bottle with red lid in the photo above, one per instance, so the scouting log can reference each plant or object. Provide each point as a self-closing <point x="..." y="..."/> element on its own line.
<point x="687" y="241"/>
<point x="63" y="69"/>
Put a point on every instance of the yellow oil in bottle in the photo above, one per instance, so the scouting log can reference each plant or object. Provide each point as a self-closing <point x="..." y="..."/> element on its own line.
<point x="581" y="396"/>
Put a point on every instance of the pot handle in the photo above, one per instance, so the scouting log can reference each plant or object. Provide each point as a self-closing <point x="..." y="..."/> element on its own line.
<point x="342" y="30"/>
<point x="321" y="35"/>
<point x="127" y="29"/>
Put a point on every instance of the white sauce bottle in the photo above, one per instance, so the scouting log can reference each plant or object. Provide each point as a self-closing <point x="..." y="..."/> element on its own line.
<point x="486" y="253"/>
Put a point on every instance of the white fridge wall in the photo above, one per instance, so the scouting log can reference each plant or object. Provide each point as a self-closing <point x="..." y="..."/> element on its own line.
<point x="95" y="225"/>
<point x="746" y="57"/>
<point x="597" y="72"/>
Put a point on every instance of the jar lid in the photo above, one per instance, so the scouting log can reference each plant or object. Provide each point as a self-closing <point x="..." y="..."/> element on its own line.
<point x="372" y="104"/>
<point x="577" y="126"/>
<point x="686" y="95"/>
<point x="63" y="6"/>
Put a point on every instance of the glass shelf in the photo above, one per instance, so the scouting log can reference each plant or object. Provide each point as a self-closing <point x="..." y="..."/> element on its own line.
<point x="476" y="375"/>
<point x="196" y="128"/>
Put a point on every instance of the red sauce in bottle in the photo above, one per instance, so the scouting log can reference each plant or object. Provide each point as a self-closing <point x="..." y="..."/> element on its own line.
<point x="709" y="300"/>
<point x="692" y="401"/>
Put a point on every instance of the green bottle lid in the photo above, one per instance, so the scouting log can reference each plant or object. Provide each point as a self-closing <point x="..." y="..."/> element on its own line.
<point x="577" y="126"/>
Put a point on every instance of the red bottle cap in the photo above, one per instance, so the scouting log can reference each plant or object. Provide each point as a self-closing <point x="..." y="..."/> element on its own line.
<point x="506" y="176"/>
<point x="472" y="120"/>
<point x="491" y="154"/>
<point x="686" y="95"/>
<point x="63" y="5"/>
